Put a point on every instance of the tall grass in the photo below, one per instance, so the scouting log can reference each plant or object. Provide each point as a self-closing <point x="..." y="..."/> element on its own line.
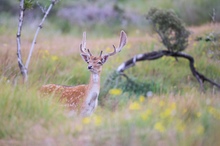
<point x="22" y="108"/>
<point x="177" y="114"/>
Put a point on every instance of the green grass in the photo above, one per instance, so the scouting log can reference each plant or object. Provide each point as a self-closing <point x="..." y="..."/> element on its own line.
<point x="176" y="114"/>
<point x="189" y="119"/>
<point x="22" y="108"/>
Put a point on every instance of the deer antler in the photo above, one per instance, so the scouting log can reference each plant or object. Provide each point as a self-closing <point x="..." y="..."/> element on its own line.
<point x="83" y="46"/>
<point x="123" y="40"/>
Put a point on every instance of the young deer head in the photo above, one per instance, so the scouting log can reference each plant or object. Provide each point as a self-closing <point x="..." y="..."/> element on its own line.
<point x="83" y="99"/>
<point x="95" y="62"/>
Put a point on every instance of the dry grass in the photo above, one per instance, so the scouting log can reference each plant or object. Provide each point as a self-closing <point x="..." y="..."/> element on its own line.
<point x="182" y="116"/>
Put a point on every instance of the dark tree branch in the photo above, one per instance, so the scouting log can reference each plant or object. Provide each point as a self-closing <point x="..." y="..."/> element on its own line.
<point x="200" y="77"/>
<point x="43" y="9"/>
<point x="158" y="54"/>
<point x="174" y="37"/>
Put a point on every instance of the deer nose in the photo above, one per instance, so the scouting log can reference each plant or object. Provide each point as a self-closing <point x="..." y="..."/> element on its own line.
<point x="89" y="67"/>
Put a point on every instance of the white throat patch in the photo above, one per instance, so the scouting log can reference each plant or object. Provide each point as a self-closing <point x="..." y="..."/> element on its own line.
<point x="95" y="78"/>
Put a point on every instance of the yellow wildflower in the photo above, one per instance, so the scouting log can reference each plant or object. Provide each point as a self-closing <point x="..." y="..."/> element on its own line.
<point x="79" y="128"/>
<point x="170" y="111"/>
<point x="180" y="126"/>
<point x="46" y="52"/>
<point x="198" y="114"/>
<point x="86" y="120"/>
<point x="146" y="114"/>
<point x="4" y="79"/>
<point x="199" y="129"/>
<point x="108" y="49"/>
<point x="161" y="103"/>
<point x="173" y="106"/>
<point x="214" y="112"/>
<point x="173" y="59"/>
<point x="159" y="127"/>
<point x="54" y="58"/>
<point x="128" y="46"/>
<point x="135" y="106"/>
<point x="97" y="120"/>
<point x="184" y="110"/>
<point x="165" y="114"/>
<point x="195" y="44"/>
<point x="153" y="100"/>
<point x="211" y="110"/>
<point x="141" y="99"/>
<point x="115" y="91"/>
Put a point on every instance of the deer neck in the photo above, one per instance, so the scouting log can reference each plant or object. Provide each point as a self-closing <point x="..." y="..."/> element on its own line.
<point x="94" y="79"/>
<point x="91" y="100"/>
<point x="94" y="84"/>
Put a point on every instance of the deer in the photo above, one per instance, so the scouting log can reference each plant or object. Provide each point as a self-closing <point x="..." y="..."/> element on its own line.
<point x="83" y="99"/>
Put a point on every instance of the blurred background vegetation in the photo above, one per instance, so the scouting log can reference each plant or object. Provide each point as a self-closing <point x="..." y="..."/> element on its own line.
<point x="70" y="16"/>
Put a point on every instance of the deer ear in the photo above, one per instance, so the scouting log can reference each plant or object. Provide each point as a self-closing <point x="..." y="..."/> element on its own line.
<point x="85" y="57"/>
<point x="104" y="58"/>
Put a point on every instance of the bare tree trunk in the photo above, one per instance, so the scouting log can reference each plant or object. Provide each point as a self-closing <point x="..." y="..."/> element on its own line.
<point x="23" y="69"/>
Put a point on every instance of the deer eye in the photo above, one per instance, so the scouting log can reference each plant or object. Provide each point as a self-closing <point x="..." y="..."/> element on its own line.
<point x="99" y="63"/>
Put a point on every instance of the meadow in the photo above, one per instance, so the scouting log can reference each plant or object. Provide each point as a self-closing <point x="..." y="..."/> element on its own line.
<point x="177" y="112"/>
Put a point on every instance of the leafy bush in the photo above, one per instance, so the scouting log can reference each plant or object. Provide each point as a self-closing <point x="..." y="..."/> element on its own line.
<point x="131" y="85"/>
<point x="170" y="28"/>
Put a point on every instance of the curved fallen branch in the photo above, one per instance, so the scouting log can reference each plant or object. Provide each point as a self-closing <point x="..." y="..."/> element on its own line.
<point x="174" y="37"/>
<point x="158" y="54"/>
